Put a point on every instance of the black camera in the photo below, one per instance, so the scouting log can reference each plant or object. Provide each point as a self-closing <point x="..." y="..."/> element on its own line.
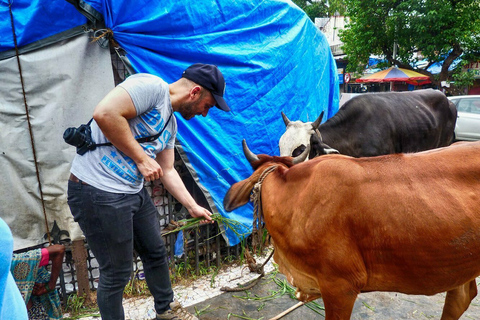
<point x="81" y="138"/>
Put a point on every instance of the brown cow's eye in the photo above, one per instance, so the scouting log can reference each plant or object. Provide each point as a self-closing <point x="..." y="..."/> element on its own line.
<point x="298" y="151"/>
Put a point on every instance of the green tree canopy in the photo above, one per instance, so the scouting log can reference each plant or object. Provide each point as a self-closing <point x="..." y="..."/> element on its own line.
<point x="320" y="8"/>
<point x="438" y="30"/>
<point x="313" y="9"/>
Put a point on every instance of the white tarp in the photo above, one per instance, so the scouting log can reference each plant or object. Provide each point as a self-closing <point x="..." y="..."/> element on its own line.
<point x="63" y="83"/>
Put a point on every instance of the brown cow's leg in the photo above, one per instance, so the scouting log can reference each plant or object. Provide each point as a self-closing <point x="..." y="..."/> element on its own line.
<point x="338" y="305"/>
<point x="458" y="300"/>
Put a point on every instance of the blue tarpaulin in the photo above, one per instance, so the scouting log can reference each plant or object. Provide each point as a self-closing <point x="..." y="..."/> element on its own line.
<point x="35" y="20"/>
<point x="272" y="56"/>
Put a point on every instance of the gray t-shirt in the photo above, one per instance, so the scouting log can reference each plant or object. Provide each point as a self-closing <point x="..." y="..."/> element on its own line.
<point x="106" y="167"/>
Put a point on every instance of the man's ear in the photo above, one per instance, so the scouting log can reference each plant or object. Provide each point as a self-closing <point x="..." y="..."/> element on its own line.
<point x="195" y="91"/>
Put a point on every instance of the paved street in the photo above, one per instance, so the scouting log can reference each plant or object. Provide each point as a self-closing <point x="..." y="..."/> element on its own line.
<point x="205" y="297"/>
<point x="372" y="306"/>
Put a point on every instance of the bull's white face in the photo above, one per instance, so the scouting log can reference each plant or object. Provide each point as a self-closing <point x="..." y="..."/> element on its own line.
<point x="296" y="138"/>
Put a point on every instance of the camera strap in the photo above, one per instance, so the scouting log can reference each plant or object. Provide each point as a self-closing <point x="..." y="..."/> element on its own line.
<point x="139" y="140"/>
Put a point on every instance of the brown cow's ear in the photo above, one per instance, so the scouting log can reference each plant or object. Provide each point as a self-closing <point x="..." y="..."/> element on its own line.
<point x="239" y="194"/>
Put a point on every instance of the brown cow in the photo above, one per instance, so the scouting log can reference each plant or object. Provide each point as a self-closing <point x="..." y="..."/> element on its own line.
<point x="405" y="223"/>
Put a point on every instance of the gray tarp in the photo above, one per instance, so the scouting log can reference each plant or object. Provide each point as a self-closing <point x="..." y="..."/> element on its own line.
<point x="63" y="83"/>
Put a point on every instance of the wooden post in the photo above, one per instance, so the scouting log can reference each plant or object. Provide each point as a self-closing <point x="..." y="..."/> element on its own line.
<point x="79" y="255"/>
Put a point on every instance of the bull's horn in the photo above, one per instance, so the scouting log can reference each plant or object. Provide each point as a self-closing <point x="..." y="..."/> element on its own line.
<point x="301" y="157"/>
<point x="251" y="157"/>
<point x="285" y="119"/>
<point x="317" y="122"/>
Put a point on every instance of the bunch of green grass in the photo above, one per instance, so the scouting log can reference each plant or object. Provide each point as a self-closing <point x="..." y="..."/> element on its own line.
<point x="284" y="288"/>
<point x="78" y="308"/>
<point x="136" y="287"/>
<point x="255" y="297"/>
<point x="231" y="224"/>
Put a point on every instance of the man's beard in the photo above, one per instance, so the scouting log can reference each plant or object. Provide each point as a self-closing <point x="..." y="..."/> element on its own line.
<point x="187" y="111"/>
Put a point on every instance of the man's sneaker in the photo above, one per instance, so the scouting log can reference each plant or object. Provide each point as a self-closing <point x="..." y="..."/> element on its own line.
<point x="176" y="312"/>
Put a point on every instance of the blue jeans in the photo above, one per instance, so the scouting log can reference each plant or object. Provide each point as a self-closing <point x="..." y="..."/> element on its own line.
<point x="114" y="224"/>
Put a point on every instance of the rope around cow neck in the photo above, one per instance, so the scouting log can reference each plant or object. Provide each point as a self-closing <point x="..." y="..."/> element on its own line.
<point x="256" y="198"/>
<point x="257" y="232"/>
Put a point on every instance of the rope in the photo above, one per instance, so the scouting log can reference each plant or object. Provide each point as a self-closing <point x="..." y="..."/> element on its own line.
<point x="102" y="33"/>
<point x="254" y="282"/>
<point x="28" y="121"/>
<point x="104" y="36"/>
<point x="257" y="232"/>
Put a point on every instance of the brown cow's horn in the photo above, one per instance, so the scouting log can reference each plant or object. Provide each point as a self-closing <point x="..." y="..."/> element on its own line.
<point x="251" y="157"/>
<point x="301" y="157"/>
<point x="317" y="122"/>
<point x="285" y="119"/>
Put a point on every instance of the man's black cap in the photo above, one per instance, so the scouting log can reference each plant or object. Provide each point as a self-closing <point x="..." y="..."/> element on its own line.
<point x="209" y="77"/>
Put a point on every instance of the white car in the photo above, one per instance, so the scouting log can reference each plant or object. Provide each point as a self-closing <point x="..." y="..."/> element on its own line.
<point x="468" y="117"/>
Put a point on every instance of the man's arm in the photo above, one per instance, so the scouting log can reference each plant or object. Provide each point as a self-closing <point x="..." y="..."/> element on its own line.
<point x="173" y="183"/>
<point x="111" y="115"/>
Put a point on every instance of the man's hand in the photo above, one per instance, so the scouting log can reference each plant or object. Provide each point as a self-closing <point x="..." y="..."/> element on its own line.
<point x="200" y="212"/>
<point x="150" y="169"/>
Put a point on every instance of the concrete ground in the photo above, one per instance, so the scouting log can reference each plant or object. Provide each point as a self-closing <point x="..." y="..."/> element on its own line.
<point x="204" y="297"/>
<point x="372" y="306"/>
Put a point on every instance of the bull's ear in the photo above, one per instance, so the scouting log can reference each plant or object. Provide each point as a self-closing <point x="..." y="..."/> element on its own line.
<point x="328" y="150"/>
<point x="317" y="122"/>
<point x="285" y="119"/>
<point x="319" y="147"/>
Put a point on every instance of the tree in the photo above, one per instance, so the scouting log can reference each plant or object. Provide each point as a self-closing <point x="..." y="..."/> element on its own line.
<point x="439" y="30"/>
<point x="313" y="9"/>
<point x="320" y="8"/>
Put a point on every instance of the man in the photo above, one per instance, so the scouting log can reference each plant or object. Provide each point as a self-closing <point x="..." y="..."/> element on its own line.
<point x="105" y="189"/>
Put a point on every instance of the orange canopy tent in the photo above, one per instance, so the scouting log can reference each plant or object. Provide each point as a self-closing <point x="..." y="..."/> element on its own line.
<point x="394" y="74"/>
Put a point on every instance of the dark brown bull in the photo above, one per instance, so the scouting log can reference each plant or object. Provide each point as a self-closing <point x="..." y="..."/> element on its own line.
<point x="405" y="223"/>
<point x="376" y="124"/>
